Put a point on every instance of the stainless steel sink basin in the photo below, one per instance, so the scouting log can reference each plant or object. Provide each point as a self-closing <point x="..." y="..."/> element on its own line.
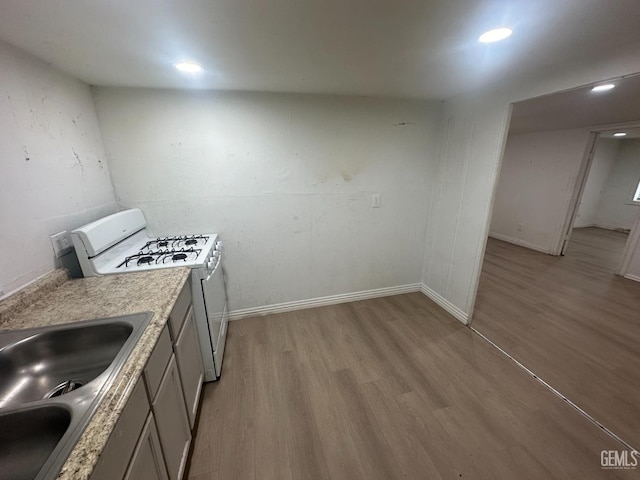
<point x="51" y="381"/>
<point x="45" y="364"/>
<point x="28" y="437"/>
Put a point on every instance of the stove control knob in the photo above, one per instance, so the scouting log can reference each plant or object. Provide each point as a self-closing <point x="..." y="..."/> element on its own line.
<point x="216" y="254"/>
<point x="211" y="264"/>
<point x="219" y="245"/>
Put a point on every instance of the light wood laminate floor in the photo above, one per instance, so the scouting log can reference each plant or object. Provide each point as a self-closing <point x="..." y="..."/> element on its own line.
<point x="389" y="388"/>
<point x="571" y="321"/>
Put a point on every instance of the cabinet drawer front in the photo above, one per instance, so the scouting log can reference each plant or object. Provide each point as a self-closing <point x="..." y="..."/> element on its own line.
<point x="116" y="454"/>
<point x="179" y="312"/>
<point x="190" y="365"/>
<point x="157" y="363"/>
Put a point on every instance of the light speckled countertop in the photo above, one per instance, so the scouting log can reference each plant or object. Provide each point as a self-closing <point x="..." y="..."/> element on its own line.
<point x="56" y="299"/>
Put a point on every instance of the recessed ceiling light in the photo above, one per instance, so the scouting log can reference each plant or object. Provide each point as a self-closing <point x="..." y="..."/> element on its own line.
<point x="603" y="88"/>
<point x="189" y="67"/>
<point x="495" y="35"/>
<point x="620" y="134"/>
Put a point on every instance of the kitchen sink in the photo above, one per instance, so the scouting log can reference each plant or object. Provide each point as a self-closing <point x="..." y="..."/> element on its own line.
<point x="51" y="381"/>
<point x="50" y="363"/>
<point x="28" y="437"/>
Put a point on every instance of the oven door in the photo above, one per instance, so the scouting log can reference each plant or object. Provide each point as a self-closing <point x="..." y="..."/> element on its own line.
<point x="215" y="304"/>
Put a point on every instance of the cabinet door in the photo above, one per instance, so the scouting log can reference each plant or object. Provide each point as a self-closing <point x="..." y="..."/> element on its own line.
<point x="172" y="421"/>
<point x="147" y="461"/>
<point x="114" y="459"/>
<point x="190" y="365"/>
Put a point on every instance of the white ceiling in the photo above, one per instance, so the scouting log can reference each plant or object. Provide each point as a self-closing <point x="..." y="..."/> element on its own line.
<point x="579" y="108"/>
<point x="402" y="48"/>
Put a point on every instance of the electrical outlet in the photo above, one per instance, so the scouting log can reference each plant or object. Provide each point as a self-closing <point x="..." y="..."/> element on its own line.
<point x="375" y="200"/>
<point x="61" y="243"/>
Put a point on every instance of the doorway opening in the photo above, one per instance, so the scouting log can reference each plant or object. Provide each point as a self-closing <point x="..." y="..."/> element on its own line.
<point x="567" y="185"/>
<point x="607" y="205"/>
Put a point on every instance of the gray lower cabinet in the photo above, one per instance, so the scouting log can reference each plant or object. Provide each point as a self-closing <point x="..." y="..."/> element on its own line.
<point x="152" y="436"/>
<point x="172" y="421"/>
<point x="190" y="365"/>
<point x="147" y="461"/>
<point x="116" y="455"/>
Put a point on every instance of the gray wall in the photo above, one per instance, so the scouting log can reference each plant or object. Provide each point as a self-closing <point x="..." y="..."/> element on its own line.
<point x="54" y="173"/>
<point x="286" y="180"/>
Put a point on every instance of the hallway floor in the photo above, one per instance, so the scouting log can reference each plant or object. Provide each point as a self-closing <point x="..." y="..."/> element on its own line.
<point x="571" y="321"/>
<point x="387" y="388"/>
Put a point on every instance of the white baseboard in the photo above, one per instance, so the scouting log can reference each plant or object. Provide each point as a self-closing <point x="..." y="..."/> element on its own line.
<point x="612" y="227"/>
<point x="604" y="227"/>
<point x="322" y="301"/>
<point x="630" y="276"/>
<point x="446" y="304"/>
<point x="517" y="241"/>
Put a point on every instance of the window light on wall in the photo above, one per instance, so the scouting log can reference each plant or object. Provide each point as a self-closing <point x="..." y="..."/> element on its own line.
<point x="636" y="196"/>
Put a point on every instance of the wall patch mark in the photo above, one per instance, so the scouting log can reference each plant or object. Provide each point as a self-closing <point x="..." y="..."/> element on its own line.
<point x="78" y="161"/>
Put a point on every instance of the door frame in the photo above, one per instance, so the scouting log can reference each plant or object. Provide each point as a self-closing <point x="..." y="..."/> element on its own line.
<point x="633" y="241"/>
<point x="574" y="203"/>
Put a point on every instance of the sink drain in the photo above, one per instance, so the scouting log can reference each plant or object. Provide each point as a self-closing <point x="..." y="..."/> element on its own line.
<point x="65" y="387"/>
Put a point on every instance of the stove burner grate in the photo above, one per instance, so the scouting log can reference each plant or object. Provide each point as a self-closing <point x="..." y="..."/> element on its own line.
<point x="147" y="259"/>
<point x="175" y="242"/>
<point x="182" y="254"/>
<point x="141" y="258"/>
<point x="162" y="256"/>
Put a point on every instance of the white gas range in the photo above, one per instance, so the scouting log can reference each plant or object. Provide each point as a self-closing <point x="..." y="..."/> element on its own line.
<point x="120" y="243"/>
